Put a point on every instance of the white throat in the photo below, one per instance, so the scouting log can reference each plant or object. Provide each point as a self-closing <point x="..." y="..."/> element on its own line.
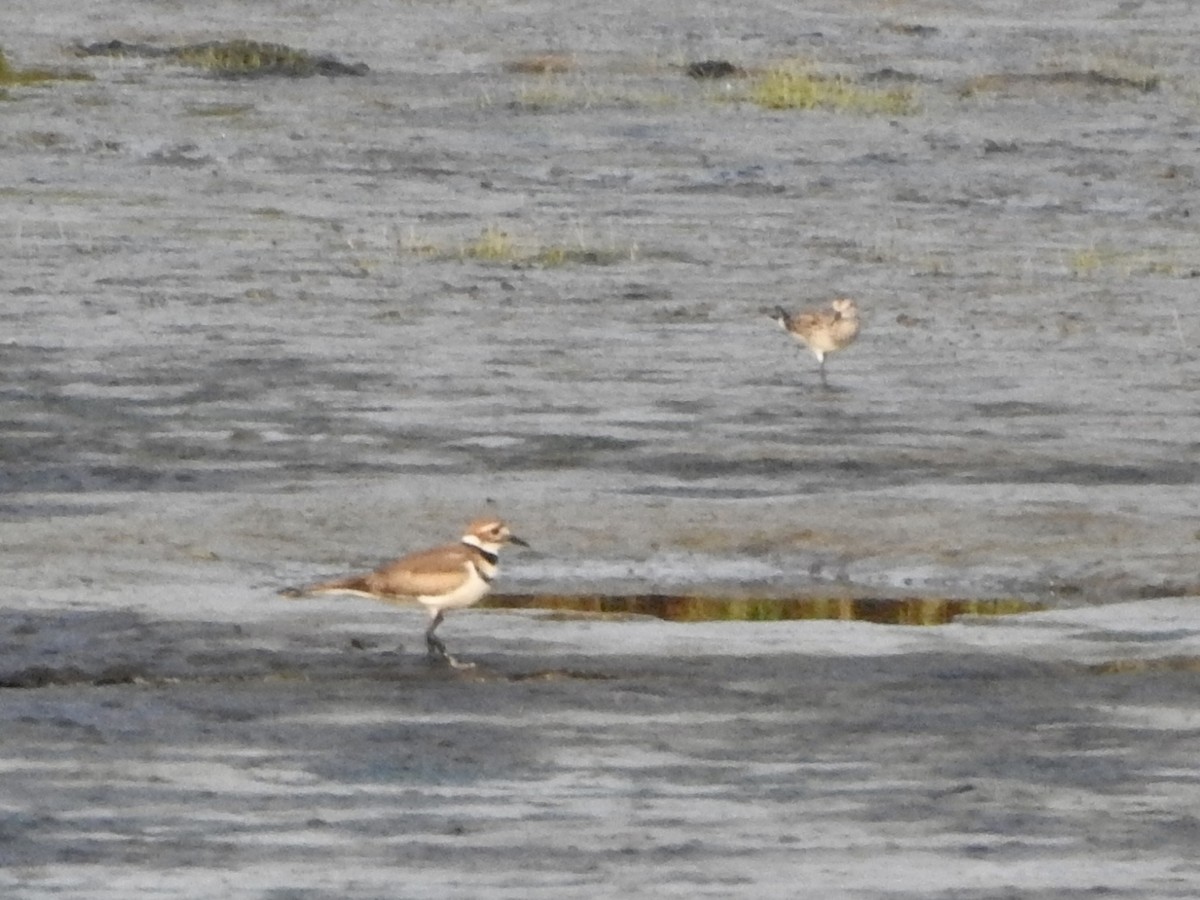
<point x="486" y="546"/>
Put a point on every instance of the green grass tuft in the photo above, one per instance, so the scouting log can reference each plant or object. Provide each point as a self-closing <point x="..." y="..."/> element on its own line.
<point x="1105" y="260"/>
<point x="494" y="245"/>
<point x="231" y="59"/>
<point x="219" y="110"/>
<point x="799" y="87"/>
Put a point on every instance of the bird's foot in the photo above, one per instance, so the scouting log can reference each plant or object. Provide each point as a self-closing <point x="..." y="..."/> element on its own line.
<point x="440" y="656"/>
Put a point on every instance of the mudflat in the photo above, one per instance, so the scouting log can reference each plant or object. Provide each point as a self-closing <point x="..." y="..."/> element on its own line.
<point x="258" y="330"/>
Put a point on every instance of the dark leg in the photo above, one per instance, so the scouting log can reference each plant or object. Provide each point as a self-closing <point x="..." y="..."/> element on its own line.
<point x="436" y="647"/>
<point x="437" y="650"/>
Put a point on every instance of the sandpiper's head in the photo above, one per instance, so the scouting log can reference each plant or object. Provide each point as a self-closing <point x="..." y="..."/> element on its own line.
<point x="490" y="534"/>
<point x="844" y="306"/>
<point x="781" y="317"/>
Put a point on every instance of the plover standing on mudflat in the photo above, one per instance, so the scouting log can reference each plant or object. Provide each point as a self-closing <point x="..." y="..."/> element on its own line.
<point x="822" y="331"/>
<point x="453" y="576"/>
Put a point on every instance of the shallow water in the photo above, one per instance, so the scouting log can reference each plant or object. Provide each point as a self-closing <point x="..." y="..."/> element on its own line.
<point x="882" y="611"/>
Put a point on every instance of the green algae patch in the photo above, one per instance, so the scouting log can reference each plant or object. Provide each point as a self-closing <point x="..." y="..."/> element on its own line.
<point x="11" y="76"/>
<point x="1156" y="666"/>
<point x="684" y="608"/>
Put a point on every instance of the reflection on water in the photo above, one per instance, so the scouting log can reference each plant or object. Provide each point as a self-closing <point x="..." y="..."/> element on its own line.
<point x="676" y="608"/>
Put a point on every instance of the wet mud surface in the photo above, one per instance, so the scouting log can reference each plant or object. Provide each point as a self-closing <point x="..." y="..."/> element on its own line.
<point x="256" y="332"/>
<point x="271" y="762"/>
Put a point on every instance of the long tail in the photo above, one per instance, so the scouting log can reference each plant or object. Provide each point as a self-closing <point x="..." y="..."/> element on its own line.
<point x="352" y="584"/>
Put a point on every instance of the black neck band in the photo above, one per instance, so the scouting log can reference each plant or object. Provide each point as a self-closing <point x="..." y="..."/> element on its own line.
<point x="492" y="558"/>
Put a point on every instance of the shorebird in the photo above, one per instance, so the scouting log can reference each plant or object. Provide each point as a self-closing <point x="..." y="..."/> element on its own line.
<point x="822" y="330"/>
<point x="452" y="576"/>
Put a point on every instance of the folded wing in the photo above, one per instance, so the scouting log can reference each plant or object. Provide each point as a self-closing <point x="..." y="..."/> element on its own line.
<point x="430" y="572"/>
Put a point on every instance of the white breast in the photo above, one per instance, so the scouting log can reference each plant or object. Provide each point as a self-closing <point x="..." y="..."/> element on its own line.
<point x="468" y="593"/>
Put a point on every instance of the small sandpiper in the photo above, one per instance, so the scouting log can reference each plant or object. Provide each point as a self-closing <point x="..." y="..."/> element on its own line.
<point x="822" y="331"/>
